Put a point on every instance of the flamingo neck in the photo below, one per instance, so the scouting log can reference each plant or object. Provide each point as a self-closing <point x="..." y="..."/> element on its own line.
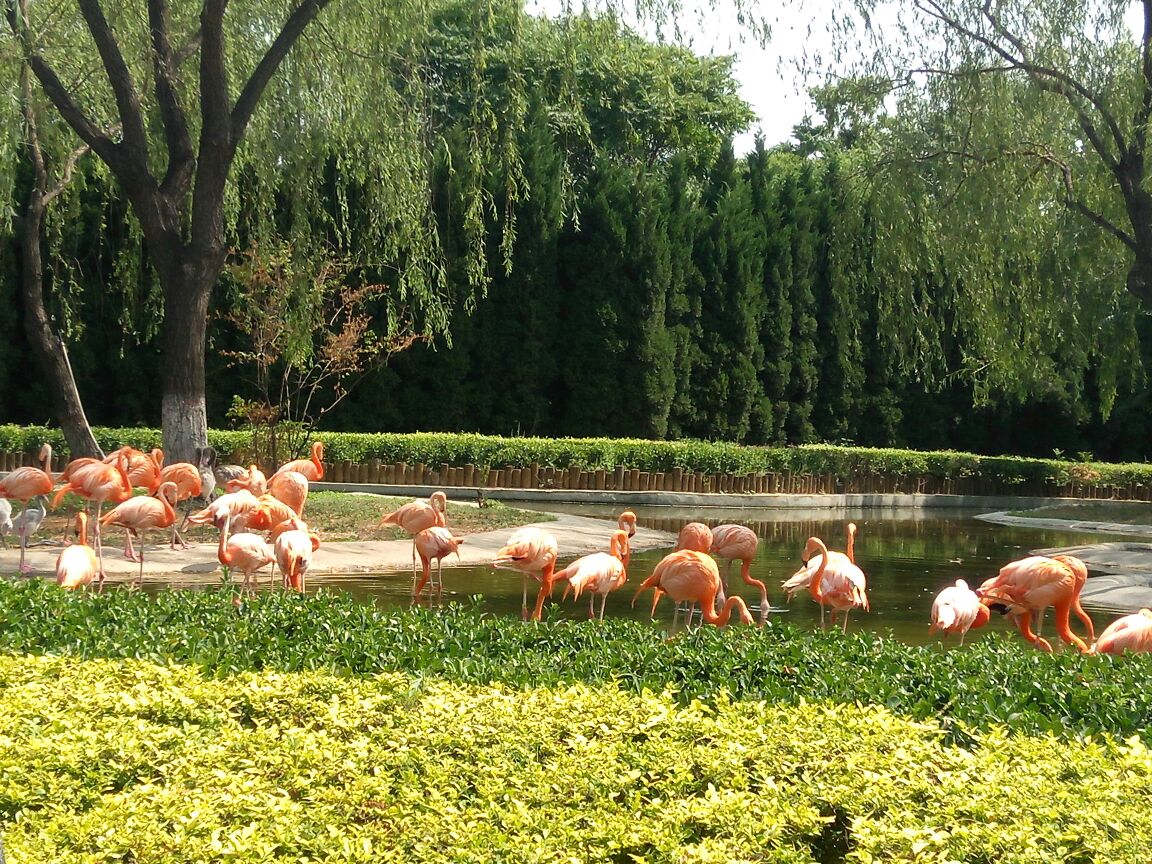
<point x="851" y="550"/>
<point x="224" y="554"/>
<point x="725" y="614"/>
<point x="814" y="584"/>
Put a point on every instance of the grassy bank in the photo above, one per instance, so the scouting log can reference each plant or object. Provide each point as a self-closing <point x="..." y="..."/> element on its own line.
<point x="1118" y="512"/>
<point x="338" y="516"/>
<point x="995" y="682"/>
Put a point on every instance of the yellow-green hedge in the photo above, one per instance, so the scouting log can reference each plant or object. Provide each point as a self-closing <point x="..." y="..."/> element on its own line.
<point x="491" y="451"/>
<point x="125" y="761"/>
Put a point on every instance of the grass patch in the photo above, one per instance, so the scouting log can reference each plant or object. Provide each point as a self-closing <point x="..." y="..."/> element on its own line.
<point x="1120" y="512"/>
<point x="340" y="516"/>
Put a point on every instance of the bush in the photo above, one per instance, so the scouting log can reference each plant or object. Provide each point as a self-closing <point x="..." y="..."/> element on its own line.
<point x="107" y="761"/>
<point x="996" y="682"/>
<point x="489" y="451"/>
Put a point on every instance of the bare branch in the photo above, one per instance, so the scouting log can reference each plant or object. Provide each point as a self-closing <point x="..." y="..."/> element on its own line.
<point x="66" y="174"/>
<point x="181" y="158"/>
<point x="120" y="79"/>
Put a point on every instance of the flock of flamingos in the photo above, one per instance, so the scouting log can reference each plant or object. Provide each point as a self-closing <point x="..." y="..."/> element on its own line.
<point x="253" y="502"/>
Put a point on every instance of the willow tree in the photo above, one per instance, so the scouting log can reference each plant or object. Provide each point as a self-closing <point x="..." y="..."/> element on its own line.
<point x="282" y="114"/>
<point x="1008" y="145"/>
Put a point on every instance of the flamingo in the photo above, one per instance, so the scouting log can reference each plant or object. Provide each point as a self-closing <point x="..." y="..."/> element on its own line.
<point x="5" y="520"/>
<point x="1027" y="586"/>
<point x="957" y="609"/>
<point x="253" y="480"/>
<point x="738" y="543"/>
<point x="188" y="481"/>
<point x="435" y="543"/>
<point x="415" y="516"/>
<point x="291" y="487"/>
<point x="24" y="484"/>
<point x="76" y="566"/>
<point x="100" y="482"/>
<point x="143" y="469"/>
<point x="532" y="551"/>
<point x="698" y="537"/>
<point x="695" y="536"/>
<point x="269" y="513"/>
<point x="691" y="576"/>
<point x="837" y="582"/>
<point x="801" y="580"/>
<point x="598" y="573"/>
<point x="627" y="523"/>
<point x="1130" y="633"/>
<point x="312" y="468"/>
<point x="244" y="551"/>
<point x="236" y="505"/>
<point x="141" y="513"/>
<point x="293" y="551"/>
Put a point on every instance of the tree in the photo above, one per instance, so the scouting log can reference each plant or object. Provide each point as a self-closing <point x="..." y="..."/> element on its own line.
<point x="49" y="348"/>
<point x="1016" y="127"/>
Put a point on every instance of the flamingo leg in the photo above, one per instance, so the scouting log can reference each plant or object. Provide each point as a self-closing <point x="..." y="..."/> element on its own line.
<point x="140" y="576"/>
<point x="524" y="597"/>
<point x="24" y="568"/>
<point x="99" y="543"/>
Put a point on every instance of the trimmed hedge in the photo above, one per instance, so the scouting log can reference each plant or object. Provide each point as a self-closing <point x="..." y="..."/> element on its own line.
<point x="107" y="761"/>
<point x="489" y="451"/>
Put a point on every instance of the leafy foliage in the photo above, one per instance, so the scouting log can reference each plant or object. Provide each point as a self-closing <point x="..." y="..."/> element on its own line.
<point x="134" y="761"/>
<point x="488" y="451"/>
<point x="990" y="684"/>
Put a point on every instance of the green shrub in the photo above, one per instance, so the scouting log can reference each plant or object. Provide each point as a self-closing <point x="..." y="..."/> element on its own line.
<point x="488" y="451"/>
<point x="998" y="681"/>
<point x="107" y="761"/>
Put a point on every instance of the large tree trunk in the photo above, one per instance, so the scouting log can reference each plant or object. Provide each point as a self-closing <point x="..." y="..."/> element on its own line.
<point x="49" y="349"/>
<point x="184" y="413"/>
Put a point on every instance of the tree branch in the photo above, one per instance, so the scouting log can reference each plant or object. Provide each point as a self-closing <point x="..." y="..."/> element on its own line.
<point x="54" y="89"/>
<point x="1145" y="112"/>
<point x="120" y="79"/>
<point x="66" y="175"/>
<point x="181" y="159"/>
<point x="1045" y="77"/>
<point x="303" y="15"/>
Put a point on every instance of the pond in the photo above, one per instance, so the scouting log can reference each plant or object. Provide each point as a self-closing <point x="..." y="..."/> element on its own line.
<point x="907" y="555"/>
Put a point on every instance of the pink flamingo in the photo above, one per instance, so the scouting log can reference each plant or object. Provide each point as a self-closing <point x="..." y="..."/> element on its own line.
<point x="690" y="576"/>
<point x="312" y="468"/>
<point x="291" y="487"/>
<point x="532" y="552"/>
<point x="293" y="552"/>
<point x="415" y="516"/>
<point x="738" y="543"/>
<point x="957" y="609"/>
<point x="99" y="482"/>
<point x="599" y="573"/>
<point x="837" y="582"/>
<point x="801" y="580"/>
<point x="434" y="544"/>
<point x="234" y="505"/>
<point x="140" y="514"/>
<point x="1131" y="633"/>
<point x="1027" y="586"/>
<point x="188" y="482"/>
<point x="253" y="480"/>
<point x="24" y="484"/>
<point x="244" y="551"/>
<point x="77" y="566"/>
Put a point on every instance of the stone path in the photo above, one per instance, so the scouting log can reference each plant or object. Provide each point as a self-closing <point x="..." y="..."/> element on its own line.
<point x="575" y="535"/>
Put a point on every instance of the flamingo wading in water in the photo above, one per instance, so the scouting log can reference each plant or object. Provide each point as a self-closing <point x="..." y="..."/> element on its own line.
<point x="957" y="609"/>
<point x="434" y="544"/>
<point x="1027" y="586"/>
<point x="690" y="576"/>
<point x="1131" y="633"/>
<point x="599" y="573"/>
<point x="415" y="516"/>
<point x="532" y="551"/>
<point x="738" y="543"/>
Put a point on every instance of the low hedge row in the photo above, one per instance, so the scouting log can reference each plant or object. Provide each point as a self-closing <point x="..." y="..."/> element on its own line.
<point x="129" y="761"/>
<point x="995" y="682"/>
<point x="487" y="451"/>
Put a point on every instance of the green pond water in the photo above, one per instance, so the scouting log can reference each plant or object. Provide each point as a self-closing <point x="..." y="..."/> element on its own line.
<point x="908" y="557"/>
